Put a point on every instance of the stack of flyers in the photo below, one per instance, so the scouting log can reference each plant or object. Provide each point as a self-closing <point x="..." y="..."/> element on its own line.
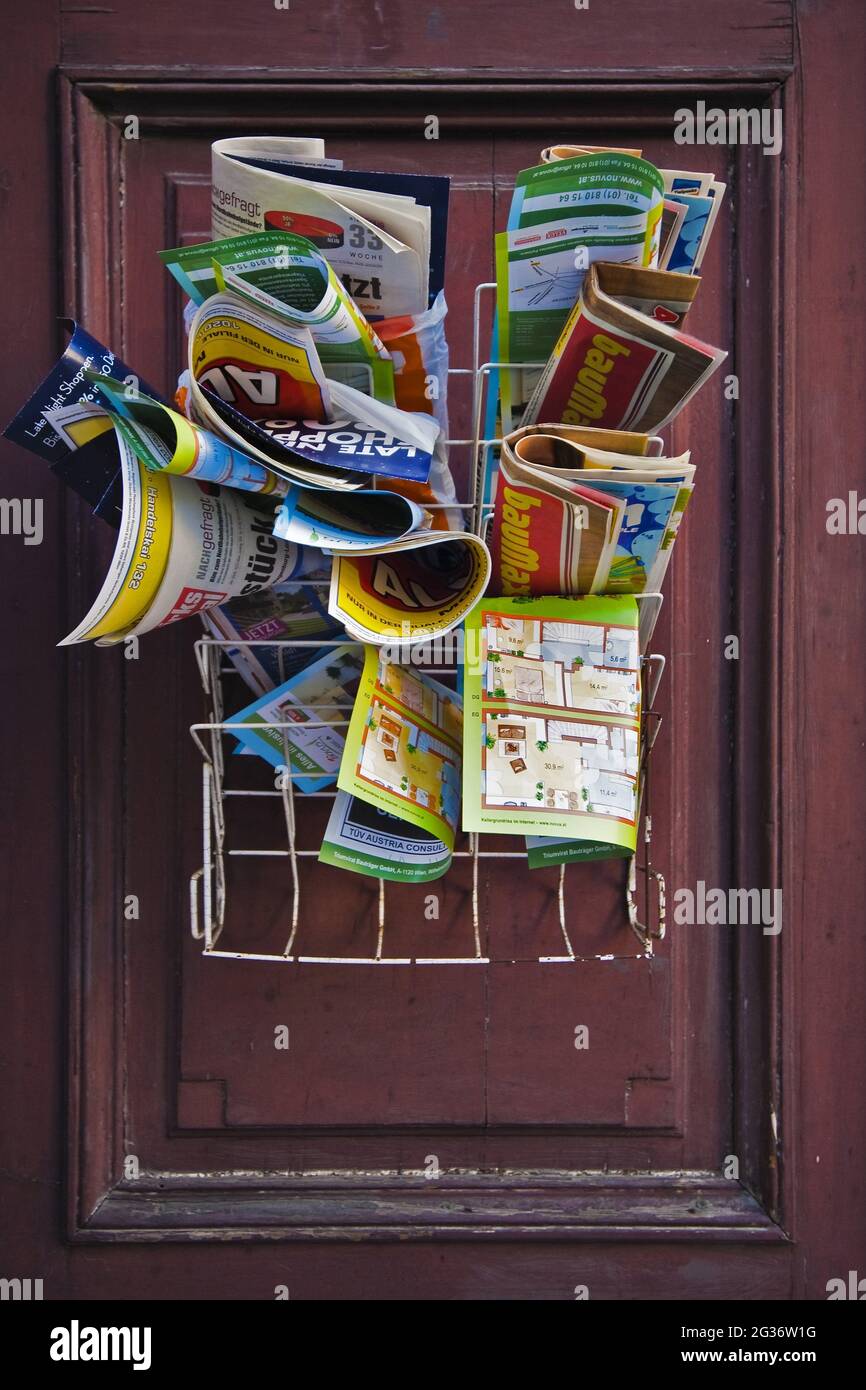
<point x="694" y="200"/>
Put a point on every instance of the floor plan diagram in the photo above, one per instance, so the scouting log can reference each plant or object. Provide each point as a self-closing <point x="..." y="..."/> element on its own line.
<point x="560" y="705"/>
<point x="411" y="741"/>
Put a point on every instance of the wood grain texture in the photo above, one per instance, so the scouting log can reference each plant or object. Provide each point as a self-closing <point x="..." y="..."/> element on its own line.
<point x="549" y="1206"/>
<point x="32" y="730"/>
<point x="491" y="37"/>
<point x="823" y="584"/>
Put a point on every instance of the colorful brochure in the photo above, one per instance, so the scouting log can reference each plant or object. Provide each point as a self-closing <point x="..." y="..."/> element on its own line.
<point x="321" y="695"/>
<point x="168" y="442"/>
<point x="552" y="691"/>
<point x="66" y="384"/>
<point x="365" y="521"/>
<point x="365" y="839"/>
<point x="403" y="746"/>
<point x="700" y="198"/>
<point x="258" y="366"/>
<point x="366" y="436"/>
<point x="262" y="630"/>
<point x="181" y="547"/>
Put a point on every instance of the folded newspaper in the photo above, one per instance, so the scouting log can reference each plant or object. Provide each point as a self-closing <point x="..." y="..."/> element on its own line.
<point x="577" y="513"/>
<point x="182" y="547"/>
<point x="565" y="215"/>
<point x="617" y="364"/>
<point x="384" y="234"/>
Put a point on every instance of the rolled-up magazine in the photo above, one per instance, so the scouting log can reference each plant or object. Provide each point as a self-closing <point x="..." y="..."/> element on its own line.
<point x="166" y="441"/>
<point x="68" y="383"/>
<point x="254" y="379"/>
<point x="258" y="365"/>
<point x="287" y="276"/>
<point x="182" y="547"/>
<point x="365" y="521"/>
<point x="422" y="587"/>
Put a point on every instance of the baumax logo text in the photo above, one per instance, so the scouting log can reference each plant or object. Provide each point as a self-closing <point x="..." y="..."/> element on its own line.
<point x="587" y="402"/>
<point x="519" y="562"/>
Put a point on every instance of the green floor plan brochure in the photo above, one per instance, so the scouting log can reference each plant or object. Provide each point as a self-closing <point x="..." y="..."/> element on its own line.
<point x="552" y="718"/>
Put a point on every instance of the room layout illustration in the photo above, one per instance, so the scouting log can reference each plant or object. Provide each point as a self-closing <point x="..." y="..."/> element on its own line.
<point x="559" y="764"/>
<point x="560" y="708"/>
<point x="411" y="743"/>
<point x="564" y="665"/>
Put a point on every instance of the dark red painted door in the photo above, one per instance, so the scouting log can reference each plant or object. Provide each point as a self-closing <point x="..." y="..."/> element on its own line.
<point x="444" y="1103"/>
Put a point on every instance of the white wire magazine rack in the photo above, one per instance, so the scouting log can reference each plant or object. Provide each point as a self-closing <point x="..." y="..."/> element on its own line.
<point x="208" y="884"/>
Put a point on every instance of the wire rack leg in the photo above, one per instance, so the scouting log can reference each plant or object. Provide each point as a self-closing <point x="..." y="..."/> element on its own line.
<point x="288" y="799"/>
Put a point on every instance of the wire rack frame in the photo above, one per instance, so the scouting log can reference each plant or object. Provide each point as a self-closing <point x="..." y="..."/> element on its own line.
<point x="208" y="889"/>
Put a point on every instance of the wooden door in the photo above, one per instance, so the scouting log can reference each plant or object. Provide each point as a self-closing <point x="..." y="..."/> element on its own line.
<point x="607" y="1166"/>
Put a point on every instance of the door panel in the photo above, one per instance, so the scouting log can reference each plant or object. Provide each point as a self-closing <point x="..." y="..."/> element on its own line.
<point x="446" y="1047"/>
<point x="483" y="1050"/>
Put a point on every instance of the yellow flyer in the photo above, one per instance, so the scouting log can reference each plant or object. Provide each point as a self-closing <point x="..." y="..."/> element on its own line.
<point x="403" y="746"/>
<point x="418" y="588"/>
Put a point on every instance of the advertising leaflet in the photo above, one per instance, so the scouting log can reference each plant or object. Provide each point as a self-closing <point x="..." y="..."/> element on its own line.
<point x="181" y="547"/>
<point x="286" y="276"/>
<point x="552" y="697"/>
<point x="557" y="494"/>
<point x="378" y="242"/>
<point x="421" y="588"/>
<point x="403" y="747"/>
<point x="367" y="840"/>
<point x="616" y="367"/>
<point x="565" y="215"/>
